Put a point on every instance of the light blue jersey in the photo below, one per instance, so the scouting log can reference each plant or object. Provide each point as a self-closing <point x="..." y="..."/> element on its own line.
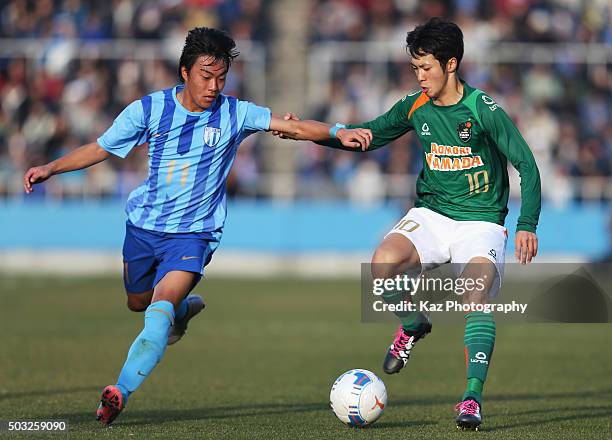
<point x="190" y="156"/>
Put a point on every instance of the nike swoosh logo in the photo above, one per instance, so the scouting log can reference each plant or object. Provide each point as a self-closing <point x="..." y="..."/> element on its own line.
<point x="140" y="373"/>
<point x="188" y="258"/>
<point x="160" y="134"/>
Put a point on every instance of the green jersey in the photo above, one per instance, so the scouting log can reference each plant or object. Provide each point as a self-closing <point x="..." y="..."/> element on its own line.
<point x="465" y="151"/>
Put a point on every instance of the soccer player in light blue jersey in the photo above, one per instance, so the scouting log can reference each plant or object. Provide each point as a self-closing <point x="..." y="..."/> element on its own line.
<point x="175" y="217"/>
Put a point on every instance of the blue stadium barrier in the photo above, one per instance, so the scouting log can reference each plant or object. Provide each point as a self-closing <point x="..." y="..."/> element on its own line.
<point x="292" y="227"/>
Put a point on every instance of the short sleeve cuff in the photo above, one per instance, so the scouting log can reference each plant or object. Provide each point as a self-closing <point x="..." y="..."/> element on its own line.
<point x="264" y="118"/>
<point x="122" y="153"/>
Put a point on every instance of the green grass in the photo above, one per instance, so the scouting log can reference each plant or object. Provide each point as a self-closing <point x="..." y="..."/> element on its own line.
<point x="260" y="360"/>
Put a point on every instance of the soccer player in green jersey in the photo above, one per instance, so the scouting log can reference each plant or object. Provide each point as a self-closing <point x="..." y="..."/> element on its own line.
<point x="462" y="195"/>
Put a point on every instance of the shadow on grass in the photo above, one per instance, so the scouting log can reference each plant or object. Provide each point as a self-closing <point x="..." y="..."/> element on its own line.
<point x="440" y="400"/>
<point x="545" y="396"/>
<point x="136" y="417"/>
<point x="581" y="414"/>
<point x="38" y="393"/>
<point x="148" y="417"/>
<point x="556" y="409"/>
<point x="156" y="416"/>
<point x="406" y="424"/>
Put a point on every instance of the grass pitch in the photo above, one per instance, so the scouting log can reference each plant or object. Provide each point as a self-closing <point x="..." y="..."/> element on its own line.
<point x="260" y="360"/>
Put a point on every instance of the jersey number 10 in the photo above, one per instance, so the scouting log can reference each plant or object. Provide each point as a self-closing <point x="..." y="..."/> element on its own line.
<point x="475" y="186"/>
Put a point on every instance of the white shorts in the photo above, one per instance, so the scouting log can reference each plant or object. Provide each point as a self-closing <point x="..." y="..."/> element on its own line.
<point x="439" y="240"/>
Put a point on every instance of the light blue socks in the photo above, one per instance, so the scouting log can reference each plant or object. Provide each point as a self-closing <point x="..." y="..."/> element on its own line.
<point x="148" y="347"/>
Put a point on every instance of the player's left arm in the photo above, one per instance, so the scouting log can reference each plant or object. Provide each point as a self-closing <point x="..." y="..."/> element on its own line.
<point x="511" y="143"/>
<point x="309" y="130"/>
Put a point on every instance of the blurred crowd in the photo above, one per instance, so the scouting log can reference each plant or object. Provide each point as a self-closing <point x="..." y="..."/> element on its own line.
<point x="50" y="105"/>
<point x="152" y="19"/>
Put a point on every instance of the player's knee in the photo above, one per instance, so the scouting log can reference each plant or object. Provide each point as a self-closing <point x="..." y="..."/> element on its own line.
<point x="175" y="286"/>
<point x="136" y="307"/>
<point x="390" y="260"/>
<point x="137" y="303"/>
<point x="484" y="274"/>
<point x="386" y="262"/>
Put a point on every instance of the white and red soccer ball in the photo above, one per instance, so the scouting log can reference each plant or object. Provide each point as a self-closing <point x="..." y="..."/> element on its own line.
<point x="358" y="397"/>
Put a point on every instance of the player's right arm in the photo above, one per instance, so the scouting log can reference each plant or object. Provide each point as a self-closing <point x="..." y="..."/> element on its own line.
<point x="82" y="157"/>
<point x="385" y="129"/>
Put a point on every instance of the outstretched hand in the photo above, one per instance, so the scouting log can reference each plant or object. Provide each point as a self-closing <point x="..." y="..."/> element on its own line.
<point x="351" y="138"/>
<point x="35" y="175"/>
<point x="526" y="245"/>
<point x="287" y="117"/>
<point x="355" y="138"/>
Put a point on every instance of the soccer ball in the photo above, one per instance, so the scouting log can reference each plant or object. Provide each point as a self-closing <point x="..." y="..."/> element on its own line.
<point x="358" y="397"/>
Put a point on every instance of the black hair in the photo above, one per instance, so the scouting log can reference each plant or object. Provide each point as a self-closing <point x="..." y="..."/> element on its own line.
<point x="440" y="38"/>
<point x="207" y="41"/>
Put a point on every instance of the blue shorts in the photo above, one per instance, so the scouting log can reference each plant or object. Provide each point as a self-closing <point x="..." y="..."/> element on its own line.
<point x="149" y="255"/>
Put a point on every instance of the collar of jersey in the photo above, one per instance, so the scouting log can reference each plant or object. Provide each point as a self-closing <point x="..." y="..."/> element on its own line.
<point x="207" y="112"/>
<point x="466" y="92"/>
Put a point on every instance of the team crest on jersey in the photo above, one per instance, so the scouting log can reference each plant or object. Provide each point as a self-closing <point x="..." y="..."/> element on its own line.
<point x="211" y="136"/>
<point x="464" y="131"/>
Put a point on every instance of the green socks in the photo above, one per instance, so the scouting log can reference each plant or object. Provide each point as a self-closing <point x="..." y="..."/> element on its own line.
<point x="411" y="321"/>
<point x="479" y="342"/>
<point x="473" y="389"/>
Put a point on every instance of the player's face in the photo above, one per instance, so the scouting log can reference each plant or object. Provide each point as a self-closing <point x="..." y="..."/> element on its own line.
<point x="430" y="75"/>
<point x="205" y="80"/>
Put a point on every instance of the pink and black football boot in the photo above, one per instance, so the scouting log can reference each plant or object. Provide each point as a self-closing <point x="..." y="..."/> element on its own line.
<point x="399" y="351"/>
<point x="469" y="417"/>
